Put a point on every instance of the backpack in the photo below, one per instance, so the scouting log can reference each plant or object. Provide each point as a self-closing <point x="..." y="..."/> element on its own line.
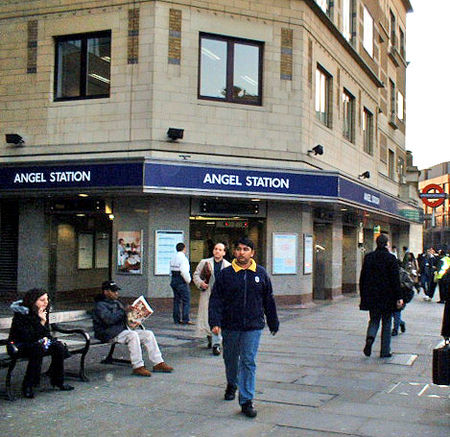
<point x="407" y="285"/>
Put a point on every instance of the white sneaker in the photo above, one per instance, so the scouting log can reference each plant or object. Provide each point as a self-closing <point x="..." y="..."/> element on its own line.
<point x="426" y="298"/>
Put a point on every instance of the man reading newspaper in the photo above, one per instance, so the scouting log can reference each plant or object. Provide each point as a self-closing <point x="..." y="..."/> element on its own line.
<point x="111" y="325"/>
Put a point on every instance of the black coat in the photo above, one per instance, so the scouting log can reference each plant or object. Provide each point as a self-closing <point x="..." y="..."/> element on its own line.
<point x="379" y="283"/>
<point x="27" y="328"/>
<point x="445" y="332"/>
<point x="109" y="318"/>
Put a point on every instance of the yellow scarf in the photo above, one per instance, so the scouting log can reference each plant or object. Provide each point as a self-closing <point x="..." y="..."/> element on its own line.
<point x="237" y="268"/>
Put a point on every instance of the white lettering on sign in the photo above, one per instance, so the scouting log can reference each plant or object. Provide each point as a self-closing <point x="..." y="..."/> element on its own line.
<point x="371" y="198"/>
<point x="55" y="176"/>
<point x="29" y="178"/>
<point x="250" y="181"/>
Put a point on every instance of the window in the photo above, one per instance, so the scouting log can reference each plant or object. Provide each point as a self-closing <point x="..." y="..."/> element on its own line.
<point x="392" y="34"/>
<point x="348" y="103"/>
<point x="391" y="164"/>
<point x="323" y="96"/>
<point x="83" y="66"/>
<point x="348" y="8"/>
<point x="368" y="131"/>
<point x="230" y="69"/>
<point x="402" y="44"/>
<point x="368" y="32"/>
<point x="393" y="100"/>
<point x="323" y="5"/>
<point x="400" y="106"/>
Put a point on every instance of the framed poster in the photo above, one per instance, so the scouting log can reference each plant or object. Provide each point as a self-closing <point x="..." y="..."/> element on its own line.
<point x="129" y="252"/>
<point x="165" y="242"/>
<point x="284" y="254"/>
<point x="101" y="250"/>
<point x="307" y="254"/>
<point x="85" y="250"/>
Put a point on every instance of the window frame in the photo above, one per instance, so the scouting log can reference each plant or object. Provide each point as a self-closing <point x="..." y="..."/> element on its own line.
<point x="348" y="117"/>
<point x="368" y="47"/>
<point x="348" y="20"/>
<point x="367" y="129"/>
<point x="83" y="37"/>
<point x="328" y="80"/>
<point x="229" y="74"/>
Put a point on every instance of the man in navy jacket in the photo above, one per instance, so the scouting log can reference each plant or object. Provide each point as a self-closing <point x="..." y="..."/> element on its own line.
<point x="241" y="297"/>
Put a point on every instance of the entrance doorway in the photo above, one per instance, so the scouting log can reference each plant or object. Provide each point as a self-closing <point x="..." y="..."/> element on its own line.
<point x="80" y="253"/>
<point x="205" y="232"/>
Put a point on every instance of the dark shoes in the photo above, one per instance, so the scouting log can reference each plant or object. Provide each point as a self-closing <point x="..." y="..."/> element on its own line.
<point x="187" y="323"/>
<point x="248" y="409"/>
<point x="230" y="392"/>
<point x="216" y="349"/>
<point x="28" y="392"/>
<point x="385" y="355"/>
<point x="402" y="326"/>
<point x="394" y="332"/>
<point x="64" y="387"/>
<point x="368" y="347"/>
<point x="209" y="338"/>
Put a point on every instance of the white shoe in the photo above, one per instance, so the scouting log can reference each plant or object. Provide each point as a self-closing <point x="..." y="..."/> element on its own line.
<point x="426" y="298"/>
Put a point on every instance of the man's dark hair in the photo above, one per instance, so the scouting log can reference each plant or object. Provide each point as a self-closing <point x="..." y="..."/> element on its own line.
<point x="245" y="241"/>
<point x="31" y="296"/>
<point x="382" y="241"/>
<point x="180" y="247"/>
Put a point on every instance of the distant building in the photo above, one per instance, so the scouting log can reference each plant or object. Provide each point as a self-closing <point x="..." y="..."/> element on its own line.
<point x="437" y="234"/>
<point x="153" y="121"/>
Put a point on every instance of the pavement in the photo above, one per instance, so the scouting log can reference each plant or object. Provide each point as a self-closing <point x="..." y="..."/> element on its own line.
<point x="312" y="380"/>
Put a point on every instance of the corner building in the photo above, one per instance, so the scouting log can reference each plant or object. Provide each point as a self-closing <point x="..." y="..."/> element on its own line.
<point x="158" y="121"/>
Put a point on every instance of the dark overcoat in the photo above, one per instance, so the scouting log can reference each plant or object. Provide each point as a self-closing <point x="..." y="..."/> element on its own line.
<point x="379" y="283"/>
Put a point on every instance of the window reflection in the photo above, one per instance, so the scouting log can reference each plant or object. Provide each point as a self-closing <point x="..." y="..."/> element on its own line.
<point x="69" y="59"/>
<point x="246" y="63"/>
<point x="213" y="68"/>
<point x="99" y="59"/>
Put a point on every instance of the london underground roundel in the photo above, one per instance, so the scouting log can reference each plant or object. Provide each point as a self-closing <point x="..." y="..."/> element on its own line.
<point x="433" y="195"/>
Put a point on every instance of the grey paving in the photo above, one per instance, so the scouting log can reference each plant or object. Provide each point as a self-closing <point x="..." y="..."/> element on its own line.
<point x="312" y="380"/>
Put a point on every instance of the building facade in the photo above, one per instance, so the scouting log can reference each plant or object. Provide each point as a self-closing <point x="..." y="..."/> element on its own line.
<point x="131" y="125"/>
<point x="436" y="232"/>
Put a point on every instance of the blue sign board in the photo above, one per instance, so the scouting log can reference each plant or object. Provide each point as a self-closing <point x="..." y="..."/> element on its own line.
<point x="71" y="176"/>
<point x="237" y="180"/>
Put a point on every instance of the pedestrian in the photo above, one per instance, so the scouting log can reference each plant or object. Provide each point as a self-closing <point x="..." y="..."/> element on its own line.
<point x="204" y="278"/>
<point x="442" y="277"/>
<point x="242" y="295"/>
<point x="111" y="325"/>
<point x="380" y="292"/>
<point x="429" y="267"/>
<point x="30" y="334"/>
<point x="180" y="280"/>
<point x="412" y="267"/>
<point x="394" y="251"/>
<point x="407" y="289"/>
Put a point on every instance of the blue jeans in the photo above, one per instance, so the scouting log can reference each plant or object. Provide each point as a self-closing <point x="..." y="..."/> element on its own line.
<point x="181" y="299"/>
<point x="239" y="354"/>
<point x="386" y="323"/>
<point x="397" y="320"/>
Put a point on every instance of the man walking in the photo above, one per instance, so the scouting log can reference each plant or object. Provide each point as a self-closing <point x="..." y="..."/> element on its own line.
<point x="180" y="279"/>
<point x="241" y="296"/>
<point x="381" y="295"/>
<point x="204" y="277"/>
<point x="110" y="325"/>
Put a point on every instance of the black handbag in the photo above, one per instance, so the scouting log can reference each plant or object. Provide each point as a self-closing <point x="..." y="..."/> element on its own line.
<point x="441" y="364"/>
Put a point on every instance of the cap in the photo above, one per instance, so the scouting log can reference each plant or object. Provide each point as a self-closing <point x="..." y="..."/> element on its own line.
<point x="110" y="285"/>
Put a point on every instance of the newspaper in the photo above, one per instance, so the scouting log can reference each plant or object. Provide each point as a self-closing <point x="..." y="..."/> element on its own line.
<point x="140" y="310"/>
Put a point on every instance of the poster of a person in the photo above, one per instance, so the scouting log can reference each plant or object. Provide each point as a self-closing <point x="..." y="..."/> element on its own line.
<point x="129" y="252"/>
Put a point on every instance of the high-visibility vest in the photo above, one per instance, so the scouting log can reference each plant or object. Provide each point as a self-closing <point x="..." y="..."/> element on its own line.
<point x="444" y="267"/>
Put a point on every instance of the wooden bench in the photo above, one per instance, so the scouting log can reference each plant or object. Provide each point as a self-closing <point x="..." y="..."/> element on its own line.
<point x="80" y="345"/>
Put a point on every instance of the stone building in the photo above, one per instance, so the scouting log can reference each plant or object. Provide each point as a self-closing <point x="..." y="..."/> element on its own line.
<point x="128" y="126"/>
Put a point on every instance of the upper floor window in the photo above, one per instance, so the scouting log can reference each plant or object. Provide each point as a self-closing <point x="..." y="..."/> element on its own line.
<point x="368" y="131"/>
<point x="348" y="103"/>
<point x="392" y="34"/>
<point x="400" y="106"/>
<point x="323" y="96"/>
<point x="393" y="100"/>
<point x="348" y="8"/>
<point x="83" y="66"/>
<point x="230" y="69"/>
<point x="368" y="32"/>
<point x="402" y="44"/>
<point x="324" y="5"/>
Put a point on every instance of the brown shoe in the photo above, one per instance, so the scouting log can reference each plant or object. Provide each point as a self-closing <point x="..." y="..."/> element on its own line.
<point x="141" y="371"/>
<point x="163" y="368"/>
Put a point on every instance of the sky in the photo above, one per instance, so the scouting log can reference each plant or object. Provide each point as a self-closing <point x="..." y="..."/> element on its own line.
<point x="428" y="82"/>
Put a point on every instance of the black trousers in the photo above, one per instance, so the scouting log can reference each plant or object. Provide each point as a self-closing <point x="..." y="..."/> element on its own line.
<point x="35" y="352"/>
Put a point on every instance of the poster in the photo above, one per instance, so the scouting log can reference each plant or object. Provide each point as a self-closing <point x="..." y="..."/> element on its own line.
<point x="284" y="260"/>
<point x="129" y="252"/>
<point x="307" y="254"/>
<point x="85" y="250"/>
<point x="165" y="242"/>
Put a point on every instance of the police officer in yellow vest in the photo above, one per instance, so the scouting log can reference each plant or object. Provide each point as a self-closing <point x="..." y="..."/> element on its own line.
<point x="444" y="284"/>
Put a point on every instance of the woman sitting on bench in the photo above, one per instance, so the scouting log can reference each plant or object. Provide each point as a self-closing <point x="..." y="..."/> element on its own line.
<point x="30" y="333"/>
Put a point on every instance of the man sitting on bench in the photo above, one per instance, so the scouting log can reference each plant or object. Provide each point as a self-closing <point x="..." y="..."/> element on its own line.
<point x="110" y="325"/>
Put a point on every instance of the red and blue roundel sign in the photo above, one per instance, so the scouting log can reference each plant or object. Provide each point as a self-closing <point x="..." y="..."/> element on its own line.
<point x="433" y="195"/>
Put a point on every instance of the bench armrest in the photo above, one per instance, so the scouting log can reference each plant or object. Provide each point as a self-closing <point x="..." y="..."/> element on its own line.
<point x="55" y="327"/>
